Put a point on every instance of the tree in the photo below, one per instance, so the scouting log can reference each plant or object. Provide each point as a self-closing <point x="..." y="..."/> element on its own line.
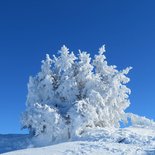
<point x="73" y="93"/>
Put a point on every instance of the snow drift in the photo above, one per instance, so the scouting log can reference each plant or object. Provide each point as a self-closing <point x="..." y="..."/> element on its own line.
<point x="107" y="141"/>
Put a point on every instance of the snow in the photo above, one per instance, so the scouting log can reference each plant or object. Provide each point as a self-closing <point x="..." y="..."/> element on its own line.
<point x="69" y="90"/>
<point x="111" y="141"/>
<point x="10" y="142"/>
<point x="75" y="106"/>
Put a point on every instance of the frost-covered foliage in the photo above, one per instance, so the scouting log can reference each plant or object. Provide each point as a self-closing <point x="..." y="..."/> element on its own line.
<point x="140" y="120"/>
<point x="72" y="93"/>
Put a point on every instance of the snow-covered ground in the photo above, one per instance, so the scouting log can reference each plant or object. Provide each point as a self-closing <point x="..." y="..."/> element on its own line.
<point x="11" y="142"/>
<point x="127" y="141"/>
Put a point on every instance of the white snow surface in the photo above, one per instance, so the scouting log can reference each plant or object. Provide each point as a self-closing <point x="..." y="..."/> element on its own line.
<point x="107" y="141"/>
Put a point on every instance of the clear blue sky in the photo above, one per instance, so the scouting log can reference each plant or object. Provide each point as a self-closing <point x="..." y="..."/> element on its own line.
<point x="31" y="28"/>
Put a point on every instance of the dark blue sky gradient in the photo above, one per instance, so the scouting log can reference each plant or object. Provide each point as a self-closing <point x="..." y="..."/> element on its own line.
<point x="31" y="28"/>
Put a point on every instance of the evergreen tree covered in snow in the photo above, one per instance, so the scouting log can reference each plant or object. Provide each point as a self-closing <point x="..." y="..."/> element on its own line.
<point x="72" y="93"/>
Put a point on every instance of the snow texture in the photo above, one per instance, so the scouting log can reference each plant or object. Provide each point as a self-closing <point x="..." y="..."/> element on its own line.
<point x="107" y="141"/>
<point x="72" y="93"/>
<point x="75" y="106"/>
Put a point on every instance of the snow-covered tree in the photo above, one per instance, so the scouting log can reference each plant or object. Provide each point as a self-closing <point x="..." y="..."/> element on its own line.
<point x="72" y="93"/>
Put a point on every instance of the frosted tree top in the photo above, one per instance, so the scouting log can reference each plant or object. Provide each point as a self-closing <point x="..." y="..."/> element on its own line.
<point x="74" y="92"/>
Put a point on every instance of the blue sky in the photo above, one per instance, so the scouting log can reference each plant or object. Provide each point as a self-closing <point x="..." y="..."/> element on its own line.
<point x="31" y="28"/>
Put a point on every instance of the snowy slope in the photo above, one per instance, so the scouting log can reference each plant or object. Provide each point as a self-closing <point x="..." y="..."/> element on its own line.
<point x="10" y="142"/>
<point x="128" y="141"/>
<point x="78" y="148"/>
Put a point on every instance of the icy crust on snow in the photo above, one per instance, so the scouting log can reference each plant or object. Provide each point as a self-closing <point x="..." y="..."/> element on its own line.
<point x="127" y="141"/>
